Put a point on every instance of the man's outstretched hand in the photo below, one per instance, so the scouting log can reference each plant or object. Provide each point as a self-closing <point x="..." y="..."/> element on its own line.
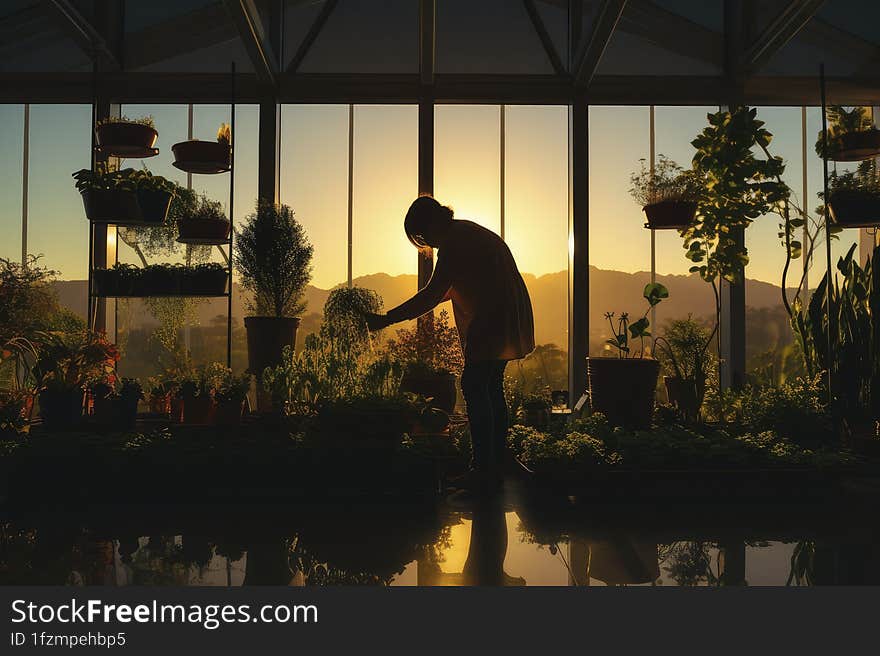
<point x="377" y="321"/>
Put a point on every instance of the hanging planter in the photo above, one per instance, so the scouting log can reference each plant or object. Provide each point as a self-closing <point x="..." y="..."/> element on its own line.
<point x="670" y="214"/>
<point x="857" y="146"/>
<point x="855" y="208"/>
<point x="153" y="205"/>
<point x="666" y="193"/>
<point x="111" y="205"/>
<point x="851" y="135"/>
<point x="125" y="197"/>
<point x="127" y="138"/>
<point x="195" y="156"/>
<point x="204" y="280"/>
<point x="204" y="225"/>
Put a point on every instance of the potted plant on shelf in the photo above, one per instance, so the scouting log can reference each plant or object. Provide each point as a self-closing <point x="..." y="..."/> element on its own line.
<point x="124" y="196"/>
<point x="622" y="388"/>
<point x="196" y="391"/>
<point x="852" y="136"/>
<point x="854" y="196"/>
<point x="230" y="395"/>
<point x="159" y="399"/>
<point x="196" y="156"/>
<point x="205" y="224"/>
<point x="683" y="351"/>
<point x="667" y="194"/>
<point x="66" y="366"/>
<point x="431" y="355"/>
<point x="115" y="403"/>
<point x="125" y="137"/>
<point x="207" y="279"/>
<point x="154" y="196"/>
<point x="273" y="257"/>
<point x="534" y="411"/>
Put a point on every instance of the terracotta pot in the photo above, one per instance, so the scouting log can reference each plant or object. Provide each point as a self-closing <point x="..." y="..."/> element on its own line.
<point x="855" y="208"/>
<point x="61" y="409"/>
<point x="440" y="388"/>
<point x="683" y="395"/>
<point x="198" y="410"/>
<point x="111" y="205"/>
<point x="126" y="139"/>
<point x="153" y="205"/>
<point x="201" y="156"/>
<point x="266" y="339"/>
<point x="229" y="413"/>
<point x="203" y="230"/>
<point x="623" y="389"/>
<point x="670" y="214"/>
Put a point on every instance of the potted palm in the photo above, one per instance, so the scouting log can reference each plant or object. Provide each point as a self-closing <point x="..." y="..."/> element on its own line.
<point x="622" y="387"/>
<point x="273" y="257"/>
<point x="667" y="194"/>
<point x="204" y="224"/>
<point x="195" y="156"/>
<point x="125" y="137"/>
<point x="851" y="137"/>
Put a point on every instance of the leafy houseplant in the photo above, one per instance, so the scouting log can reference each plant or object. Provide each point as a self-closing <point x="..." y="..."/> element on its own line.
<point x="205" y="223"/>
<point x="196" y="156"/>
<point x="431" y="355"/>
<point x="125" y="137"/>
<point x="124" y="196"/>
<point x="622" y="388"/>
<point x="667" y="193"/>
<point x="684" y="357"/>
<point x="195" y="388"/>
<point x="736" y="187"/>
<point x="852" y="136"/>
<point x="854" y="196"/>
<point x="273" y="257"/>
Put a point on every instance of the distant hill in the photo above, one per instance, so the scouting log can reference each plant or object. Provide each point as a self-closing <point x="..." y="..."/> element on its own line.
<point x="610" y="291"/>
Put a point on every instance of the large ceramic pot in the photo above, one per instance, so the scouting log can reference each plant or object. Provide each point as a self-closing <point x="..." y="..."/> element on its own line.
<point x="266" y="339"/>
<point x="623" y="389"/>
<point x="854" y="208"/>
<point x="670" y="214"/>
<point x="111" y="205"/>
<point x="439" y="387"/>
<point x="61" y="409"/>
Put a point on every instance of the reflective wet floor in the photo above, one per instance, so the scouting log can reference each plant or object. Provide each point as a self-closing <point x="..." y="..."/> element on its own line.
<point x="509" y="541"/>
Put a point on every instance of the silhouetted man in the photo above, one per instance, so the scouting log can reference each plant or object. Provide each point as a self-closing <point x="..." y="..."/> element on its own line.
<point x="493" y="314"/>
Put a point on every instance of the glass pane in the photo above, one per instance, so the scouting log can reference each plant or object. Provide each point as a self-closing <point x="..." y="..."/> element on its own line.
<point x="11" y="145"/>
<point x="620" y="246"/>
<point x="467" y="162"/>
<point x="385" y="183"/>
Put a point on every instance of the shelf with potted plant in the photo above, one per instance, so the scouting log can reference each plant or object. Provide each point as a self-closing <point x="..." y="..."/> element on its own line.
<point x="127" y="281"/>
<point x="667" y="194"/>
<point x="124" y="197"/>
<point x="125" y="137"/>
<point x="204" y="224"/>
<point x="851" y="135"/>
<point x="205" y="157"/>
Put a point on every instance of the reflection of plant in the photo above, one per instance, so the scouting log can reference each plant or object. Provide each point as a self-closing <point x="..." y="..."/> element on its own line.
<point x="803" y="559"/>
<point x="625" y="330"/>
<point x="274" y="256"/>
<point x="666" y="182"/>
<point x="842" y="121"/>
<point x="690" y="563"/>
<point x="434" y="347"/>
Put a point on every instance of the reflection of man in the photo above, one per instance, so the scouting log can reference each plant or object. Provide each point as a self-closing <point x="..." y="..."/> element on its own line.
<point x="493" y="314"/>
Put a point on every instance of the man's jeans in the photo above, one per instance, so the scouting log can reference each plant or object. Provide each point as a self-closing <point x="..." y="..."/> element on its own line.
<point x="482" y="384"/>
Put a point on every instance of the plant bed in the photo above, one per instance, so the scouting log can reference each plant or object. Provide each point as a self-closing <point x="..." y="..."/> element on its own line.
<point x="124" y="138"/>
<point x="855" y="208"/>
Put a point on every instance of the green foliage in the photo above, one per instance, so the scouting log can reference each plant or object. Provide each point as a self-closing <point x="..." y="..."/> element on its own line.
<point x="854" y="333"/>
<point x="683" y="351"/>
<point x="433" y="346"/>
<point x="105" y="178"/>
<point x="624" y="330"/>
<point x="143" y="120"/>
<point x="273" y="257"/>
<point x="667" y="182"/>
<point x="27" y="300"/>
<point x="842" y="121"/>
<point x="75" y="360"/>
<point x="736" y="187"/>
<point x="228" y="386"/>
<point x="203" y="209"/>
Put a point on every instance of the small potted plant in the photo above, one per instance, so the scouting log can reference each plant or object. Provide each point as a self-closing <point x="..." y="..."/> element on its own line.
<point x="125" y="137"/>
<point x="115" y="403"/>
<point x="535" y="411"/>
<point x="196" y="391"/>
<point x="854" y="196"/>
<point x="195" y="156"/>
<point x="667" y="194"/>
<point x="206" y="224"/>
<point x="154" y="196"/>
<point x="683" y="352"/>
<point x="273" y="257"/>
<point x="852" y="136"/>
<point x="206" y="279"/>
<point x="66" y="366"/>
<point x="231" y="395"/>
<point x="108" y="196"/>
<point x="160" y="396"/>
<point x="622" y="388"/>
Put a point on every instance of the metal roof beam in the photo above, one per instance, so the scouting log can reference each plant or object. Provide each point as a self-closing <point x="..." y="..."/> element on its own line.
<point x="544" y="36"/>
<point x="309" y="40"/>
<point x="247" y="21"/>
<point x="83" y="33"/>
<point x="590" y="53"/>
<point x="782" y="29"/>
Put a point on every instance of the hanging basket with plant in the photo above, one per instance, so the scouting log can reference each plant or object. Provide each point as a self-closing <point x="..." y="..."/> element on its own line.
<point x="667" y="194"/>
<point x="854" y="196"/>
<point x="124" y="197"/>
<point x="195" y="156"/>
<point x="206" y="224"/>
<point x="622" y="388"/>
<point x="125" y="137"/>
<point x="852" y="136"/>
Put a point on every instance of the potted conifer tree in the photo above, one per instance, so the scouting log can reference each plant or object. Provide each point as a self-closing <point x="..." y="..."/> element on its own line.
<point x="273" y="257"/>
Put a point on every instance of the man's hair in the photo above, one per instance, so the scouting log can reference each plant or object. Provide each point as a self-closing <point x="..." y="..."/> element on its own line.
<point x="424" y="212"/>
